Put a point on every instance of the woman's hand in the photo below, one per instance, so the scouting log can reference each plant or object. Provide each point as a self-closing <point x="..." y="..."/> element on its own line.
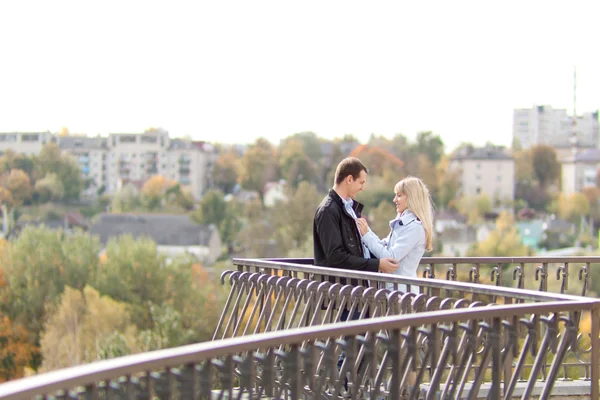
<point x="363" y="226"/>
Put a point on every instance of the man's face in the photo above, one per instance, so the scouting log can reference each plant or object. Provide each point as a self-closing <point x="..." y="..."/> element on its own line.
<point x="356" y="185"/>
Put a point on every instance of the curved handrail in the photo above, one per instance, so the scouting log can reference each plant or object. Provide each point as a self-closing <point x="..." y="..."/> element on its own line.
<point x="100" y="371"/>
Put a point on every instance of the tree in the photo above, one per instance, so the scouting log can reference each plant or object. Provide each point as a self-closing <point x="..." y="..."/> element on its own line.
<point x="545" y="165"/>
<point x="225" y="171"/>
<point x="135" y="273"/>
<point x="19" y="185"/>
<point x="474" y="208"/>
<point x="380" y="217"/>
<point x="294" y="163"/>
<point x="448" y="185"/>
<point x="154" y="190"/>
<point x="212" y="208"/>
<point x="430" y="145"/>
<point x="38" y="265"/>
<point x="15" y="349"/>
<point x="50" y="160"/>
<point x="49" y="188"/>
<point x="573" y="207"/>
<point x="126" y="199"/>
<point x="378" y="161"/>
<point x="258" y="166"/>
<point x="82" y="329"/>
<point x="293" y="218"/>
<point x="504" y="241"/>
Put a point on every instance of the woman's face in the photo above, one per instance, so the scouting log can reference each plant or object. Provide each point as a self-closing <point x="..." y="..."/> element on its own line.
<point x="400" y="202"/>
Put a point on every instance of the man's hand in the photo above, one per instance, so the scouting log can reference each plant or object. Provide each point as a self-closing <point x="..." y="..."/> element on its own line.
<point x="388" y="265"/>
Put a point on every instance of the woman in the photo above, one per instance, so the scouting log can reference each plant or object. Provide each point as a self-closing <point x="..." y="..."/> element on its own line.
<point x="411" y="231"/>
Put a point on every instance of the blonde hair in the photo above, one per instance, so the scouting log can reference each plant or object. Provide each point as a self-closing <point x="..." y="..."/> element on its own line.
<point x="418" y="200"/>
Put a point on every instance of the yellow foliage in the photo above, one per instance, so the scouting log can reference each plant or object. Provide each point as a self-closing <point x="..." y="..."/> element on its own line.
<point x="75" y="331"/>
<point x="156" y="186"/>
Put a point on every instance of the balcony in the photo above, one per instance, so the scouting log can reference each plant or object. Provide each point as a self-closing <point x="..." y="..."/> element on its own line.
<point x="281" y="336"/>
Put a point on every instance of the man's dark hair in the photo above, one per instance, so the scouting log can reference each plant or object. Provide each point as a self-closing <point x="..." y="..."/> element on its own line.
<point x="349" y="166"/>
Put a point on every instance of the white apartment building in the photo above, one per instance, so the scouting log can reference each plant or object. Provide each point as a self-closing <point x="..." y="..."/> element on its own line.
<point x="109" y="162"/>
<point x="488" y="170"/>
<point x="91" y="154"/>
<point x="579" y="171"/>
<point x="546" y="125"/>
<point x="29" y="143"/>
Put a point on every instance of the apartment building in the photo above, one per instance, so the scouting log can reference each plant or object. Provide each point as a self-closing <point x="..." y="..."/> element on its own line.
<point x="554" y="127"/>
<point x="579" y="171"/>
<point x="110" y="162"/>
<point x="29" y="143"/>
<point x="91" y="154"/>
<point x="488" y="170"/>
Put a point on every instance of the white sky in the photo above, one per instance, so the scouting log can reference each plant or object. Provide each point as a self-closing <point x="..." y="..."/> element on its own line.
<point x="231" y="71"/>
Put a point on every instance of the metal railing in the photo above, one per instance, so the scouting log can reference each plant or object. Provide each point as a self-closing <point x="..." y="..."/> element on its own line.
<point x="282" y="337"/>
<point x="518" y="272"/>
<point x="463" y="348"/>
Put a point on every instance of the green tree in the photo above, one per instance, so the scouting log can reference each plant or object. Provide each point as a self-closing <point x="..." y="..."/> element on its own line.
<point x="380" y="218"/>
<point x="431" y="145"/>
<point x="126" y="199"/>
<point x="293" y="218"/>
<point x="212" y="208"/>
<point x="38" y="264"/>
<point x="546" y="167"/>
<point x="49" y="188"/>
<point x="51" y="160"/>
<point x="294" y="163"/>
<point x="135" y="273"/>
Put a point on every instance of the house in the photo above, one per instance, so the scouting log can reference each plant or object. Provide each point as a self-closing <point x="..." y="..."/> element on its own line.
<point x="579" y="171"/>
<point x="489" y="170"/>
<point x="274" y="192"/>
<point x="173" y="234"/>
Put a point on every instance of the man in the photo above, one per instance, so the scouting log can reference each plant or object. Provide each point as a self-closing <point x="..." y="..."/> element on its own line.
<point x="337" y="240"/>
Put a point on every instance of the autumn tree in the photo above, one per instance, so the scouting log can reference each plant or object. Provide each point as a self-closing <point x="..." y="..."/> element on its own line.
<point x="83" y="328"/>
<point x="258" y="166"/>
<point x="18" y="184"/>
<point x="448" y="185"/>
<point x="225" y="171"/>
<point x="154" y="190"/>
<point x="504" y="241"/>
<point x="15" y="349"/>
<point x="573" y="207"/>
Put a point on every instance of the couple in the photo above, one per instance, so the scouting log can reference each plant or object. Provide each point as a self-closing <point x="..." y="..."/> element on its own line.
<point x="342" y="238"/>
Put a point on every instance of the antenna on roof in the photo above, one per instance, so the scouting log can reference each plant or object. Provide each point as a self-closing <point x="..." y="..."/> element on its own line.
<point x="573" y="138"/>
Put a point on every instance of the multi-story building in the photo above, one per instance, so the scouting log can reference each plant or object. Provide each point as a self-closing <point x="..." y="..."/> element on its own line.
<point x="545" y="125"/>
<point x="579" y="171"/>
<point x="109" y="162"/>
<point x="91" y="153"/>
<point x="190" y="163"/>
<point x="136" y="156"/>
<point x="29" y="143"/>
<point x="489" y="170"/>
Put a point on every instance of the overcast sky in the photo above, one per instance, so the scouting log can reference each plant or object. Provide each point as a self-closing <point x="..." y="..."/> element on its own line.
<point x="231" y="71"/>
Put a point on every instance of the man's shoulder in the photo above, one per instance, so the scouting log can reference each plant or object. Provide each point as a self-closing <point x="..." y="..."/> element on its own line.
<point x="328" y="204"/>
